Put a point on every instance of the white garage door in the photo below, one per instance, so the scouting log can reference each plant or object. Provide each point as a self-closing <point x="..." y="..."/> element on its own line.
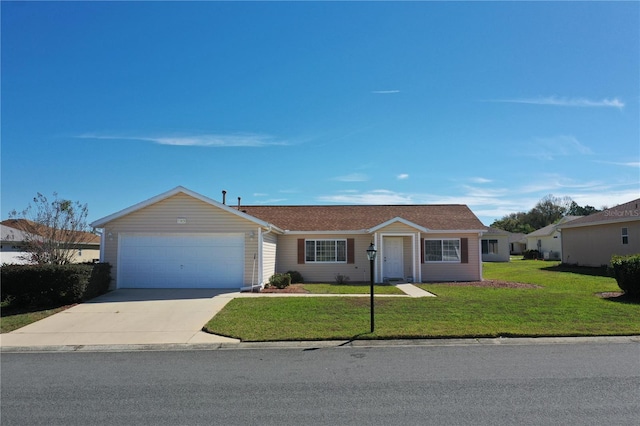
<point x="181" y="261"/>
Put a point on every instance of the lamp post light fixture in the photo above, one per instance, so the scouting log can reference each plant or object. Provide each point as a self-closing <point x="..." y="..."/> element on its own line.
<point x="371" y="255"/>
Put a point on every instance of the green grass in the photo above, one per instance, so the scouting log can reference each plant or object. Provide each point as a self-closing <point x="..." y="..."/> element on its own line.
<point x="13" y="320"/>
<point x="566" y="305"/>
<point x="350" y="289"/>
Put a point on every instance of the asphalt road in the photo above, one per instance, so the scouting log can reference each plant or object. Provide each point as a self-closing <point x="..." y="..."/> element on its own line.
<point x="550" y="384"/>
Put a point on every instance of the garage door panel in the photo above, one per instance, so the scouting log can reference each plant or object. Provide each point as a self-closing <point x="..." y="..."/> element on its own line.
<point x="181" y="261"/>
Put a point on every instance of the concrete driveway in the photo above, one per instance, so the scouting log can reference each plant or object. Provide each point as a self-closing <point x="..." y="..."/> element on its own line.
<point x="129" y="316"/>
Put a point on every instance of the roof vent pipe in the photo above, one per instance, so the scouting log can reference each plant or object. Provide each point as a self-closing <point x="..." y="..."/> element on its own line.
<point x="224" y="197"/>
<point x="238" y="203"/>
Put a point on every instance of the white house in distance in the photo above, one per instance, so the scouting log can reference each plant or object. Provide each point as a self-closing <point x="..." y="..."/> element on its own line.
<point x="12" y="243"/>
<point x="181" y="239"/>
<point x="592" y="240"/>
<point x="547" y="240"/>
<point x="517" y="243"/>
<point x="495" y="245"/>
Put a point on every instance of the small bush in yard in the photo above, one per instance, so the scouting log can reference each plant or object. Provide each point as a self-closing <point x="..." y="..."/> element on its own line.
<point x="626" y="270"/>
<point x="342" y="279"/>
<point x="280" y="280"/>
<point x="296" y="277"/>
<point x="531" y="254"/>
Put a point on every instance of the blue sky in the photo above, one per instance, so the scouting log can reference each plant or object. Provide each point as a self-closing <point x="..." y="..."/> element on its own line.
<point x="493" y="105"/>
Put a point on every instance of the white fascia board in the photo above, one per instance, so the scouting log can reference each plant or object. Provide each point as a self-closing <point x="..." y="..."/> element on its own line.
<point x="398" y="219"/>
<point x="360" y="232"/>
<point x="180" y="189"/>
<point x="455" y="231"/>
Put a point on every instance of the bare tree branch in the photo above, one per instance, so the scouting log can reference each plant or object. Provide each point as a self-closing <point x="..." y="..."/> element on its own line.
<point x="53" y="230"/>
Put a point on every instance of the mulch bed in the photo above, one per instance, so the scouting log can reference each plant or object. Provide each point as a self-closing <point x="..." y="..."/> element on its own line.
<point x="293" y="288"/>
<point x="489" y="283"/>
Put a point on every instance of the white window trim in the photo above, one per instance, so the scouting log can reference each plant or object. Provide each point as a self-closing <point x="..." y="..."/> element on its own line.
<point x="346" y="255"/>
<point x="442" y="248"/>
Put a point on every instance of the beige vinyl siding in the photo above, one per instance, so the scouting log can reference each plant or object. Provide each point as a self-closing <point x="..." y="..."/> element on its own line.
<point x="268" y="257"/>
<point x="398" y="227"/>
<point x="503" y="249"/>
<point x="443" y="272"/>
<point x="162" y="217"/>
<point x="594" y="245"/>
<point x="324" y="272"/>
<point x="86" y="255"/>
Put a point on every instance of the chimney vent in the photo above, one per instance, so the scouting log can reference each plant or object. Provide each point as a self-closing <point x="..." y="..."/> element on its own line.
<point x="238" y="203"/>
<point x="224" y="197"/>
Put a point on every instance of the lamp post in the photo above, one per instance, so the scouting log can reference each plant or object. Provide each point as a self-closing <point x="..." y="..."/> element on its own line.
<point x="371" y="255"/>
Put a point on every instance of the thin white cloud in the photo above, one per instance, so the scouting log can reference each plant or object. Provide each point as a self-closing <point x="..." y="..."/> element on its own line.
<point x="205" y="140"/>
<point x="566" y="102"/>
<point x="556" y="146"/>
<point x="353" y="177"/>
<point x="378" y="196"/>
<point x="385" y="92"/>
<point x="635" y="164"/>
<point x="271" y="201"/>
<point x="480" y="180"/>
<point x="402" y="176"/>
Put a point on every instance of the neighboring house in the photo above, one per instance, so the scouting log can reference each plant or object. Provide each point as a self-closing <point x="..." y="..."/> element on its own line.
<point x="495" y="245"/>
<point x="592" y="240"/>
<point x="11" y="245"/>
<point x="517" y="243"/>
<point x="184" y="239"/>
<point x="547" y="240"/>
<point x="13" y="242"/>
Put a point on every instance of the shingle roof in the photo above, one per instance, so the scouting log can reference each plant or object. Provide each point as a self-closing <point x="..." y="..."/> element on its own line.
<point x="359" y="217"/>
<point x="497" y="231"/>
<point x="24" y="225"/>
<point x="550" y="229"/>
<point x="622" y="213"/>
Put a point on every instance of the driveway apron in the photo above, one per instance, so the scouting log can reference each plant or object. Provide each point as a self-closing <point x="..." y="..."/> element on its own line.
<point x="130" y="316"/>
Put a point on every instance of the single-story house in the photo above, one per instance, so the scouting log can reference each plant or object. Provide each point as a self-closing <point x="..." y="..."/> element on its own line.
<point x="592" y="240"/>
<point x="183" y="239"/>
<point x="14" y="234"/>
<point x="495" y="245"/>
<point x="517" y="243"/>
<point x="547" y="240"/>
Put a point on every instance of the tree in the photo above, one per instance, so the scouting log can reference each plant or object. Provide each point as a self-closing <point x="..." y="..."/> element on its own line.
<point x="514" y="222"/>
<point x="52" y="230"/>
<point x="548" y="210"/>
<point x="576" y="210"/>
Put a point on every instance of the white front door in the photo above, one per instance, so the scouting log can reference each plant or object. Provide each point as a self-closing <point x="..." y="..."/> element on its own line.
<point x="393" y="258"/>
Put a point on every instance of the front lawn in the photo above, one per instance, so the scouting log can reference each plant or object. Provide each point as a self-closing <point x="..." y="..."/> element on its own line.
<point x="350" y="289"/>
<point x="567" y="304"/>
